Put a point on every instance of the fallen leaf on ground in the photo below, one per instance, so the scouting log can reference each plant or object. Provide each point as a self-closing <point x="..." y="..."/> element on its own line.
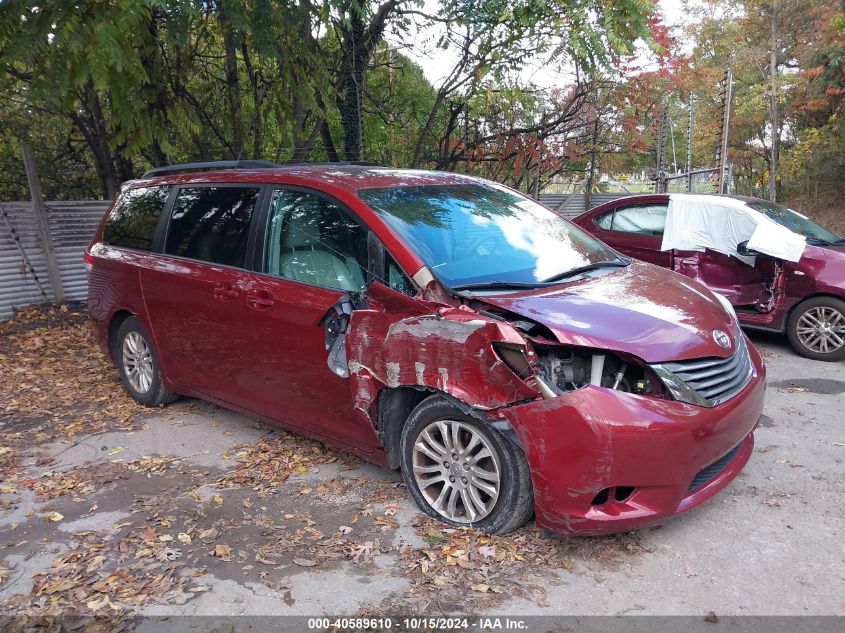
<point x="304" y="562"/>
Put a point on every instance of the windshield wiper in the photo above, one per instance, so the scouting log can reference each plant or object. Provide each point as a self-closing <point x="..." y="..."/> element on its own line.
<point x="585" y="269"/>
<point x="506" y="285"/>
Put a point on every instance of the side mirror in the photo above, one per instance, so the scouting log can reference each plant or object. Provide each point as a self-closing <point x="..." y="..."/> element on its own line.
<point x="742" y="249"/>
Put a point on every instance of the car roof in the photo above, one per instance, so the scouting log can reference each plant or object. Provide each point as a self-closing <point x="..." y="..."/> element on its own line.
<point x="350" y="177"/>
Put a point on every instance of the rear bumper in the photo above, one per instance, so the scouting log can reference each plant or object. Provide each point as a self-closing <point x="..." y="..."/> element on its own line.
<point x="595" y="439"/>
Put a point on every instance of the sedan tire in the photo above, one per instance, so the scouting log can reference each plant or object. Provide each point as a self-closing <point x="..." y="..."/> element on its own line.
<point x="461" y="470"/>
<point x="135" y="357"/>
<point x="816" y="328"/>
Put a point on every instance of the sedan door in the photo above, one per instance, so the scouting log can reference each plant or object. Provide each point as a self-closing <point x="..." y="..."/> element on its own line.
<point x="312" y="253"/>
<point x="636" y="230"/>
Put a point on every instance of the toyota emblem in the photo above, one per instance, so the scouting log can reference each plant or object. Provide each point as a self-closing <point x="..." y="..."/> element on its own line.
<point x="722" y="339"/>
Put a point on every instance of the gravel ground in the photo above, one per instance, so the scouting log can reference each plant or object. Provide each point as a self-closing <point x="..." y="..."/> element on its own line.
<point x="196" y="510"/>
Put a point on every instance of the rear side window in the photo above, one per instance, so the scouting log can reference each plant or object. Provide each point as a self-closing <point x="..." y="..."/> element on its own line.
<point x="134" y="218"/>
<point x="645" y="219"/>
<point x="212" y="224"/>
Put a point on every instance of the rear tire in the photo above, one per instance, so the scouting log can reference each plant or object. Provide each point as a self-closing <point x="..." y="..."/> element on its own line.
<point x="136" y="360"/>
<point x="464" y="472"/>
<point x="816" y="329"/>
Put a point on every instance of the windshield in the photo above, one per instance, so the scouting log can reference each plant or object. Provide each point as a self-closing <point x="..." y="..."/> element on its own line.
<point x="794" y="221"/>
<point x="476" y="233"/>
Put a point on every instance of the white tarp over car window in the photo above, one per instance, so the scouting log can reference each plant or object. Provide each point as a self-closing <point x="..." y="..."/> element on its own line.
<point x="698" y="222"/>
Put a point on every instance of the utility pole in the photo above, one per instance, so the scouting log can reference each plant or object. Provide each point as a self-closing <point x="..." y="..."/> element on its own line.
<point x="588" y="188"/>
<point x="661" y="126"/>
<point x="773" y="118"/>
<point x="690" y="123"/>
<point x="672" y="136"/>
<point x="726" y="126"/>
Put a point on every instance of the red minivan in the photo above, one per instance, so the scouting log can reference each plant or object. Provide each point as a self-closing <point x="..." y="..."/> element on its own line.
<point x="506" y="361"/>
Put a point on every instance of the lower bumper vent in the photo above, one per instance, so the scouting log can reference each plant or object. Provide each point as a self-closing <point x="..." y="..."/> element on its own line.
<point x="713" y="469"/>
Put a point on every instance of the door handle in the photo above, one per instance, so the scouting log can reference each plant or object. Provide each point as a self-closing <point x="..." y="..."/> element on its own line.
<point x="260" y="299"/>
<point x="225" y="292"/>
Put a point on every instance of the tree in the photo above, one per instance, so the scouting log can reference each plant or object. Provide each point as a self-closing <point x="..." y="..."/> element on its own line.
<point x="147" y="82"/>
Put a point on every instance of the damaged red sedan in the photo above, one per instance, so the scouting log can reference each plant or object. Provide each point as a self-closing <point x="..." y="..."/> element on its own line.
<point x="506" y="361"/>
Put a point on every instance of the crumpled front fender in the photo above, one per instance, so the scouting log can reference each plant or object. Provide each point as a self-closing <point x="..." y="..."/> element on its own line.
<point x="450" y="351"/>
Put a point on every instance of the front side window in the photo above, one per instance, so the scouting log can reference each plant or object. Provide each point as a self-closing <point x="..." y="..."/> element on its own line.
<point x="211" y="224"/>
<point x="478" y="233"/>
<point x="134" y="218"/>
<point x="645" y="219"/>
<point x="397" y="279"/>
<point x="605" y="221"/>
<point x="314" y="241"/>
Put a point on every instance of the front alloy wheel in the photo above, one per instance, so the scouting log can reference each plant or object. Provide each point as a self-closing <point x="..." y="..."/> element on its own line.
<point x="461" y="470"/>
<point x="456" y="470"/>
<point x="816" y="329"/>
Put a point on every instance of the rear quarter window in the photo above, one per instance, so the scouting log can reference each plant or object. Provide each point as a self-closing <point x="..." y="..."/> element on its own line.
<point x="134" y="218"/>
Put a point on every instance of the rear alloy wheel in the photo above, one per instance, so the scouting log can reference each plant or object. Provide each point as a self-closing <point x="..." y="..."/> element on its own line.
<point x="136" y="359"/>
<point x="464" y="472"/>
<point x="816" y="329"/>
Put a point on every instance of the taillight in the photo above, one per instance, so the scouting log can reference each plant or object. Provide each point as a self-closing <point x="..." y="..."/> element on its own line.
<point x="88" y="259"/>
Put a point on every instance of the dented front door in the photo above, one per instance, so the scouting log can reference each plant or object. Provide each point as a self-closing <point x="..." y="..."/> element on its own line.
<point x="290" y="379"/>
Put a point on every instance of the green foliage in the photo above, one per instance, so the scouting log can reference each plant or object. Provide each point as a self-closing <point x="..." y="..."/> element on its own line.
<point x="103" y="89"/>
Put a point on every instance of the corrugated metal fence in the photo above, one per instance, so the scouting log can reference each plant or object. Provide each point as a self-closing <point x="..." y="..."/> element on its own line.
<point x="71" y="226"/>
<point x="573" y="205"/>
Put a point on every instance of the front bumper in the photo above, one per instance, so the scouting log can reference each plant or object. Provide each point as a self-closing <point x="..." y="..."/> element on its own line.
<point x="594" y="438"/>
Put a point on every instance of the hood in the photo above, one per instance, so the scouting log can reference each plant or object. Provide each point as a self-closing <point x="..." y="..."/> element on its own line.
<point x="833" y="251"/>
<point x="643" y="310"/>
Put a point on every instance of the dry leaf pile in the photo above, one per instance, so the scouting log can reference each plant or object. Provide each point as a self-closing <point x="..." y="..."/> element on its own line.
<point x="54" y="380"/>
<point x="497" y="567"/>
<point x="100" y="578"/>
<point x="267" y="464"/>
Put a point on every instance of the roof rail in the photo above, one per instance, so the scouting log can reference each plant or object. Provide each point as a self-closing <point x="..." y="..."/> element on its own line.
<point x="354" y="163"/>
<point x="219" y="164"/>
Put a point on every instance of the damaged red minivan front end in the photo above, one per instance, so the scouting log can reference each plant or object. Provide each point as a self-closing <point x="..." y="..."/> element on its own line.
<point x="633" y="393"/>
<point x="611" y="454"/>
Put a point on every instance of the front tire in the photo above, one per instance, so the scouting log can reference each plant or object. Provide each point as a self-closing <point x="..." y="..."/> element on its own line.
<point x="816" y="329"/>
<point x="464" y="472"/>
<point x="135" y="357"/>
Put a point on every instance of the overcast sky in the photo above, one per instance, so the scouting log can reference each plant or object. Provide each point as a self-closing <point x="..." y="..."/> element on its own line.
<point x="436" y="63"/>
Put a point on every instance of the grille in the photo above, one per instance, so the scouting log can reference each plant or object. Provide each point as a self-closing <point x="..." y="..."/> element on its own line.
<point x="713" y="469"/>
<point x="716" y="379"/>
